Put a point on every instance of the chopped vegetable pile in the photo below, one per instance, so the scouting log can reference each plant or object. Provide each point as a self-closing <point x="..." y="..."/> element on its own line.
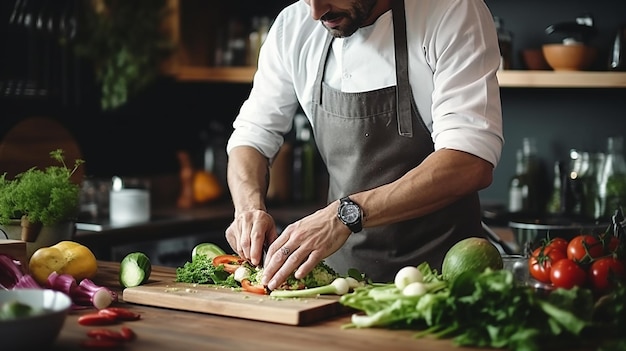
<point x="232" y="271"/>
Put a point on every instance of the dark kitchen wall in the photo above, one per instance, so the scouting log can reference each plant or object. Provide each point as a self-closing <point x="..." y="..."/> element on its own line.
<point x="564" y="118"/>
<point x="142" y="137"/>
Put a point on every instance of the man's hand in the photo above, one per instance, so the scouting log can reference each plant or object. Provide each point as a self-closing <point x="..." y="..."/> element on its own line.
<point x="302" y="245"/>
<point x="249" y="232"/>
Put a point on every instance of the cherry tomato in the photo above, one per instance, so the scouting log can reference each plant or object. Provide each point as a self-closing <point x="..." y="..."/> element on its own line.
<point x="610" y="243"/>
<point x="96" y="319"/>
<point x="120" y="313"/>
<point x="230" y="262"/>
<point x="604" y="272"/>
<point x="541" y="262"/>
<point x="566" y="273"/>
<point x="584" y="248"/>
<point x="558" y="244"/>
<point x="256" y="289"/>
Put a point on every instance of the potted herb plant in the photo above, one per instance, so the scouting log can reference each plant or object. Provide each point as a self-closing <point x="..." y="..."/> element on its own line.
<point x="38" y="203"/>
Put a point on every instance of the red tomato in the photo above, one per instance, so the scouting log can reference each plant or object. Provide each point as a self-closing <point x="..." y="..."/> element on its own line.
<point x="541" y="262"/>
<point x="230" y="262"/>
<point x="558" y="244"/>
<point x="610" y="243"/>
<point x="567" y="274"/>
<point x="604" y="272"/>
<point x="584" y="248"/>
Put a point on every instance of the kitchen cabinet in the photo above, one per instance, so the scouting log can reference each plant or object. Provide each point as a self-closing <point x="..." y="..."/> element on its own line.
<point x="195" y="26"/>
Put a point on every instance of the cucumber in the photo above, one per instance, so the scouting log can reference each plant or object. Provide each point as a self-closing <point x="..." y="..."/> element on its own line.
<point x="208" y="249"/>
<point x="135" y="269"/>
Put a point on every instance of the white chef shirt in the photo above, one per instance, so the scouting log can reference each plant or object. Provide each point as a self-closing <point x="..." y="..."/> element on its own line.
<point x="453" y="59"/>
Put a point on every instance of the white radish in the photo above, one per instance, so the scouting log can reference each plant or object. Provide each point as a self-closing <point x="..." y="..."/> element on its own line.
<point x="415" y="289"/>
<point x="406" y="276"/>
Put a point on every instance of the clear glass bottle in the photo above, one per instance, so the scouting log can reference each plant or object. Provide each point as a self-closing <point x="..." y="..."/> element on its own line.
<point x="517" y="185"/>
<point x="554" y="205"/>
<point x="534" y="201"/>
<point x="578" y="165"/>
<point x="591" y="180"/>
<point x="612" y="185"/>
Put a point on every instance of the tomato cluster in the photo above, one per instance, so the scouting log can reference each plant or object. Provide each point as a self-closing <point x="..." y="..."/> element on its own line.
<point x="594" y="261"/>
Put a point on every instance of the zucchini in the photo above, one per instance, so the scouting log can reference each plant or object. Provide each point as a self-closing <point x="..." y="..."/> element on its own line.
<point x="208" y="249"/>
<point x="135" y="269"/>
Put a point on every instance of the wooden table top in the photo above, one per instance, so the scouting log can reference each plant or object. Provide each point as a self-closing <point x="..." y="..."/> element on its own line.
<point x="166" y="329"/>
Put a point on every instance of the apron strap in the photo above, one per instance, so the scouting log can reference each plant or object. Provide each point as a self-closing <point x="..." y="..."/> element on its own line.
<point x="317" y="91"/>
<point x="403" y="88"/>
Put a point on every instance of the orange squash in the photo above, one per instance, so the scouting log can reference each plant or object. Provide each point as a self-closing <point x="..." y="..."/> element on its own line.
<point x="206" y="187"/>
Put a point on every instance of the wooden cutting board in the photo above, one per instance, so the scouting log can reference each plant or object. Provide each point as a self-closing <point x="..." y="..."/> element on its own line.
<point x="233" y="303"/>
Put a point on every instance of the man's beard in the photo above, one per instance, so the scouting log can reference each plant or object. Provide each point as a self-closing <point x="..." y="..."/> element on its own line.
<point x="353" y="18"/>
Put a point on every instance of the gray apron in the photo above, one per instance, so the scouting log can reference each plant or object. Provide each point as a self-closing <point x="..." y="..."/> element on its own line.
<point x="372" y="138"/>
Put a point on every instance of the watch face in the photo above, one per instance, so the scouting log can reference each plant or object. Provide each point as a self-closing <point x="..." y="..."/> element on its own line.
<point x="350" y="213"/>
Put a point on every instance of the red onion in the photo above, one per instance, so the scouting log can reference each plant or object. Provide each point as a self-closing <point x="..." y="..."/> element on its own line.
<point x="62" y="282"/>
<point x="11" y="272"/>
<point x="88" y="293"/>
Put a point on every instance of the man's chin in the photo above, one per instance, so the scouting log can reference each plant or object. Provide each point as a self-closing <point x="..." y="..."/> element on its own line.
<point x="339" y="32"/>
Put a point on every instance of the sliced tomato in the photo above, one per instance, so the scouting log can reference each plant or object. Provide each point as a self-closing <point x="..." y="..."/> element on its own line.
<point x="230" y="262"/>
<point x="566" y="273"/>
<point x="247" y="285"/>
<point x="584" y="248"/>
<point x="605" y="272"/>
<point x="541" y="262"/>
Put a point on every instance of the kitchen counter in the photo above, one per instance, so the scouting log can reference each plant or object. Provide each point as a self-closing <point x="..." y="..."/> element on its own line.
<point x="167" y="329"/>
<point x="211" y="220"/>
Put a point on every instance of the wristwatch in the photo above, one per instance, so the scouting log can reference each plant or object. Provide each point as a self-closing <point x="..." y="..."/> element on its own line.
<point x="350" y="214"/>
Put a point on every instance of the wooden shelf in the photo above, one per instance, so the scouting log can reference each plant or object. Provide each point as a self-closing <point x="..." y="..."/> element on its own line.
<point x="561" y="79"/>
<point x="215" y="74"/>
<point x="508" y="79"/>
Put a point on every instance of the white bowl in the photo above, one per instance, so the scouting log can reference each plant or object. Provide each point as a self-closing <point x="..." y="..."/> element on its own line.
<point x="39" y="330"/>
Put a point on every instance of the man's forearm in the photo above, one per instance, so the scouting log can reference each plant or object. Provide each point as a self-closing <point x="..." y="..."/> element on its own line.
<point x="248" y="178"/>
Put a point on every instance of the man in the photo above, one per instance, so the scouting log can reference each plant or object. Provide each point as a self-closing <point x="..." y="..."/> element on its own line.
<point x="405" y="108"/>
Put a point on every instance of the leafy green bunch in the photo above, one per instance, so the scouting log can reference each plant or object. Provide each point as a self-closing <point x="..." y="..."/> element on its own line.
<point x="45" y="196"/>
<point x="126" y="43"/>
<point x="486" y="309"/>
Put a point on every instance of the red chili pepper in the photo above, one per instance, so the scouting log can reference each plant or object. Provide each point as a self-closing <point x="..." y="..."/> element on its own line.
<point x="230" y="262"/>
<point x="256" y="289"/>
<point x="102" y="333"/>
<point x="120" y="313"/>
<point x="96" y="319"/>
<point x="128" y="334"/>
<point x="100" y="343"/>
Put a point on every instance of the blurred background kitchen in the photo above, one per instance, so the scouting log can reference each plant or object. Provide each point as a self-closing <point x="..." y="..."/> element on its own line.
<point x="140" y="83"/>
